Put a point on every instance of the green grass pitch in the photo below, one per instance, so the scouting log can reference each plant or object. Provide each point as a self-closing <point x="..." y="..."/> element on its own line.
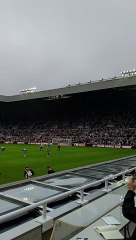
<point x="12" y="160"/>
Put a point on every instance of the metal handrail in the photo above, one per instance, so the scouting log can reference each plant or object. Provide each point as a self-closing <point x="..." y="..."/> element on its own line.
<point x="44" y="203"/>
<point x="95" y="81"/>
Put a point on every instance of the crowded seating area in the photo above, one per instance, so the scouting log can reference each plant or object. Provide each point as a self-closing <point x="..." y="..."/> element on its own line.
<point x="95" y="128"/>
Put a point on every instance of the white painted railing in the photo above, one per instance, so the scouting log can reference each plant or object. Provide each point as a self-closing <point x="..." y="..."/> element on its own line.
<point x="44" y="203"/>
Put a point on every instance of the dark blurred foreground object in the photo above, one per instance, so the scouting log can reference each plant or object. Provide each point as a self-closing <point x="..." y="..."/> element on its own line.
<point x="128" y="207"/>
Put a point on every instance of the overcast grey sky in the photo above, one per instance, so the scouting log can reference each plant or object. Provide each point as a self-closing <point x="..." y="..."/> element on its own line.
<point x="52" y="43"/>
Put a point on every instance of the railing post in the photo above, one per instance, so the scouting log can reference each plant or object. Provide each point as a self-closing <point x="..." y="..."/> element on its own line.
<point x="82" y="200"/>
<point x="82" y="195"/>
<point x="123" y="177"/>
<point x="106" y="186"/>
<point x="44" y="210"/>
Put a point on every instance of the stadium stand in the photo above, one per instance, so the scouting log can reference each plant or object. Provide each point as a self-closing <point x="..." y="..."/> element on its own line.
<point x="101" y="113"/>
<point x="92" y="114"/>
<point x="102" y="128"/>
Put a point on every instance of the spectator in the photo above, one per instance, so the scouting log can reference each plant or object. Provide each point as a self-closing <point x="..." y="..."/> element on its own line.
<point x="128" y="208"/>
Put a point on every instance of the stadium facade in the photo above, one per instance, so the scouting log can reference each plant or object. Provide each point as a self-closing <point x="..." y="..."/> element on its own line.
<point x="116" y="91"/>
